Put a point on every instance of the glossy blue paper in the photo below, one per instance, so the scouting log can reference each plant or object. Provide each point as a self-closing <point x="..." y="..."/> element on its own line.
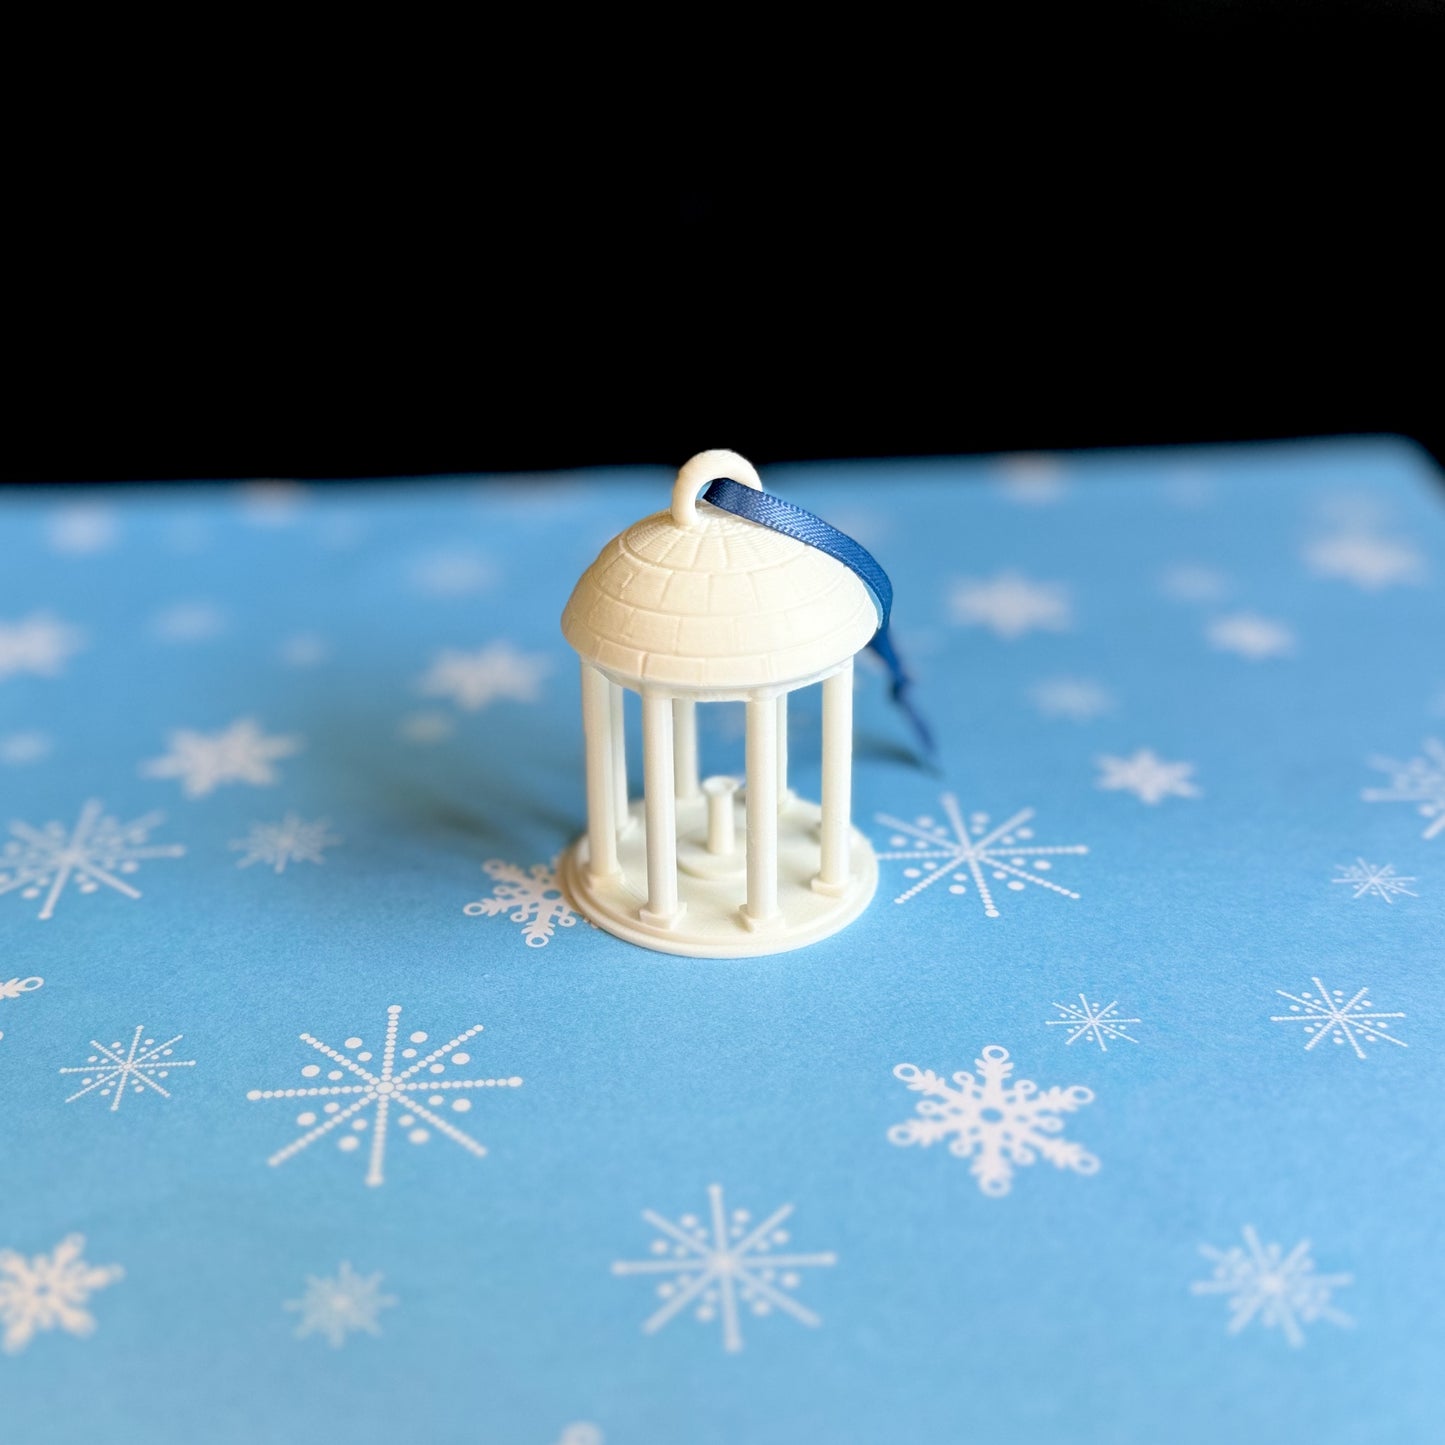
<point x="1185" y="703"/>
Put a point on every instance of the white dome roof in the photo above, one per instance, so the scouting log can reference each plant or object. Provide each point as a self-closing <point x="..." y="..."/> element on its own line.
<point x="716" y="603"/>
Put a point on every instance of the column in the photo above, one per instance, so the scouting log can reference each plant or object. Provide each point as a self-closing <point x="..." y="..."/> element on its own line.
<point x="622" y="814"/>
<point x="597" y="730"/>
<point x="782" y="750"/>
<point x="833" y="875"/>
<point x="660" y="810"/>
<point x="684" y="746"/>
<point x="762" y="811"/>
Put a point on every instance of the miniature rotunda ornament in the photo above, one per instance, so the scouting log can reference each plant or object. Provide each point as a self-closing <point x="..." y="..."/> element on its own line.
<point x="698" y="605"/>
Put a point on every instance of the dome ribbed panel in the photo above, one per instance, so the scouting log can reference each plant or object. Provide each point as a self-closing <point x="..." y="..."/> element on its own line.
<point x="728" y="605"/>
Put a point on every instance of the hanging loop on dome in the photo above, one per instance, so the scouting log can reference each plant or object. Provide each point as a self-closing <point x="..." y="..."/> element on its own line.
<point x="704" y="468"/>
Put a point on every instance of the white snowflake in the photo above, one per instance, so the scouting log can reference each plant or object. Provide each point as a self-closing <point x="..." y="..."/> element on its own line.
<point x="1147" y="776"/>
<point x="1419" y="780"/>
<point x="474" y="679"/>
<point x="17" y="750"/>
<point x="1077" y="698"/>
<point x="532" y="896"/>
<point x="114" y="1068"/>
<point x="91" y="854"/>
<point x="1032" y="479"/>
<point x="1328" y="1014"/>
<point x="453" y="573"/>
<point x="1250" y="635"/>
<point x="39" y="644"/>
<point x="1370" y="561"/>
<point x="1376" y="881"/>
<point x="997" y="1124"/>
<point x="415" y="1093"/>
<point x="289" y="841"/>
<point x="82" y="530"/>
<point x="1282" y="1291"/>
<point x="1085" y="1020"/>
<point x="1010" y="604"/>
<point x="188" y="622"/>
<point x="722" y="1264"/>
<point x="581" y="1432"/>
<point x="49" y="1292"/>
<point x="965" y="852"/>
<point x="1190" y="582"/>
<point x="426" y="727"/>
<point x="303" y="649"/>
<point x="340" y="1306"/>
<point x="241" y="753"/>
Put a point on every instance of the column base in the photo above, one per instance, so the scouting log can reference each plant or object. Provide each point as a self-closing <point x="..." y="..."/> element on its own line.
<point x="711" y="922"/>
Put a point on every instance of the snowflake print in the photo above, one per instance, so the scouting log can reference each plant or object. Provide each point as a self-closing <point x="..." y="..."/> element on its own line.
<point x="40" y="861"/>
<point x="1189" y="582"/>
<point x="241" y="753"/>
<point x="997" y="1124"/>
<point x="1250" y="635"/>
<point x="114" y="1068"/>
<point x="1085" y="1020"/>
<point x="1368" y="880"/>
<point x="38" y="644"/>
<point x="19" y="750"/>
<point x="1282" y="1291"/>
<point x="965" y="852"/>
<point x="415" y="1093"/>
<point x="533" y="896"/>
<point x="289" y="841"/>
<point x="1369" y="561"/>
<point x="1327" y="1014"/>
<point x="82" y="530"/>
<point x="1419" y="780"/>
<point x="723" y="1264"/>
<point x="1075" y="698"/>
<point x="340" y="1306"/>
<point x="1147" y="776"/>
<point x="49" y="1292"/>
<point x="1010" y="605"/>
<point x="474" y="679"/>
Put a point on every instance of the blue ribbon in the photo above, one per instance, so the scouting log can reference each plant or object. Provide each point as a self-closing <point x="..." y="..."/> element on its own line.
<point x="807" y="527"/>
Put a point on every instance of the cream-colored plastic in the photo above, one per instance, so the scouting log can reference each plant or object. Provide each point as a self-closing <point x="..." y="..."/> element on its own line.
<point x="695" y="605"/>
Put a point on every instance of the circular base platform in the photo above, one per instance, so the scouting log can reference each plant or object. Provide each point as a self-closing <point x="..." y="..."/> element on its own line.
<point x="711" y="924"/>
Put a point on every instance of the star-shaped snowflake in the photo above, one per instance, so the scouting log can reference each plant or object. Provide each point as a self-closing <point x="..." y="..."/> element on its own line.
<point x="1189" y="582"/>
<point x="474" y="679"/>
<point x="723" y="1265"/>
<point x="964" y="852"/>
<point x="1147" y="776"/>
<point x="996" y="1123"/>
<point x="1369" y="880"/>
<point x="1085" y="1020"/>
<point x="44" y="860"/>
<point x="1075" y="698"/>
<point x="39" y="644"/>
<point x="531" y="898"/>
<point x="1282" y="1291"/>
<point x="289" y="841"/>
<point x="414" y="1093"/>
<point x="1418" y="780"/>
<point x="1328" y="1014"/>
<point x="241" y="753"/>
<point x="340" y="1306"/>
<point x="1250" y="635"/>
<point x="49" y="1292"/>
<point x="1009" y="604"/>
<point x="114" y="1068"/>
<point x="1371" y="562"/>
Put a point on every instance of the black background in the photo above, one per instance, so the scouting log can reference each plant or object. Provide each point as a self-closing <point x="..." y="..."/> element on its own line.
<point x="1167" y="222"/>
